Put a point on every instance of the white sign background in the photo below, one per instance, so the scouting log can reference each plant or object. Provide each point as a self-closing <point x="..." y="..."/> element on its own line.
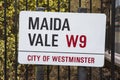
<point x="91" y="25"/>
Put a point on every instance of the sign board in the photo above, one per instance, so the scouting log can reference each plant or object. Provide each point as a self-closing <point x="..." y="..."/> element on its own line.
<point x="54" y="38"/>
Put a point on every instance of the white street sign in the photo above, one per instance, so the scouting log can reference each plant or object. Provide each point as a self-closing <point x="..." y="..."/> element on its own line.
<point x="54" y="38"/>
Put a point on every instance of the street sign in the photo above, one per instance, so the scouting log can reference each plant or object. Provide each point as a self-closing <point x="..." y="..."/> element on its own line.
<point x="55" y="38"/>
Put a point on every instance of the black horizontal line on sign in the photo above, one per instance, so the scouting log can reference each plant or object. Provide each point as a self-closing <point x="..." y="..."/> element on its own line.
<point x="61" y="52"/>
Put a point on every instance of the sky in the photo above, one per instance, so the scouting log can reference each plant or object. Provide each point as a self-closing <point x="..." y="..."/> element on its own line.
<point x="117" y="2"/>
